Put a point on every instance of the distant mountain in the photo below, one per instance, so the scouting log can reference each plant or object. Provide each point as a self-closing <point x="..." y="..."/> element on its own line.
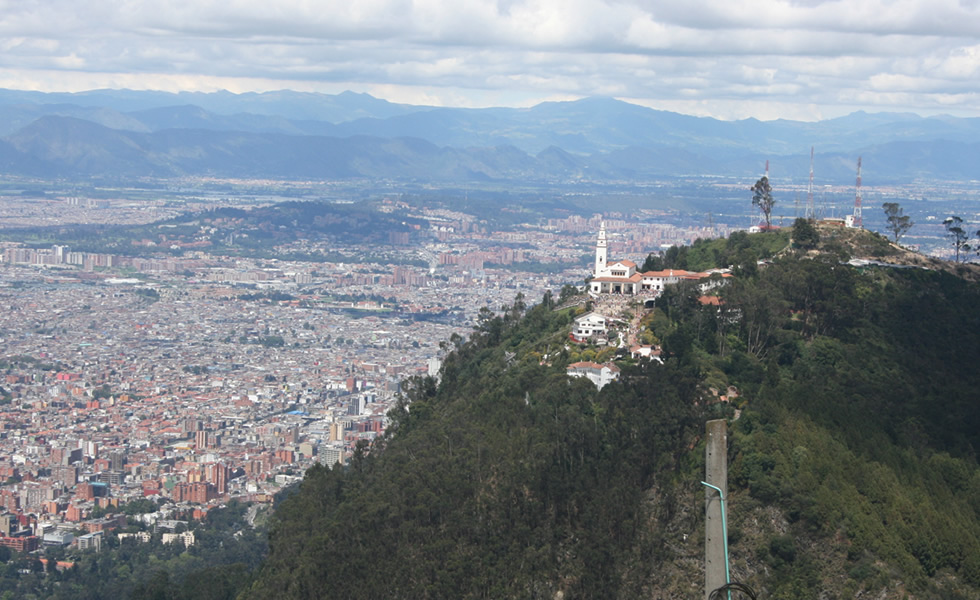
<point x="295" y="105"/>
<point x="69" y="147"/>
<point x="190" y="116"/>
<point x="287" y="134"/>
<point x="13" y="118"/>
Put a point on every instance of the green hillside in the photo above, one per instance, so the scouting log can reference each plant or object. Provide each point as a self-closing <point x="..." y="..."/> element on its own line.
<point x="854" y="427"/>
<point x="507" y="480"/>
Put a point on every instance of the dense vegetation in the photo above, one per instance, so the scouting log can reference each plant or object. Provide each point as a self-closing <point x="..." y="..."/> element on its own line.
<point x="860" y="424"/>
<point x="506" y="480"/>
<point x="853" y="459"/>
<point x="740" y="250"/>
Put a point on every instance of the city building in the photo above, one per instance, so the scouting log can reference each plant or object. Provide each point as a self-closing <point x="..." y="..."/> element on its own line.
<point x="90" y="541"/>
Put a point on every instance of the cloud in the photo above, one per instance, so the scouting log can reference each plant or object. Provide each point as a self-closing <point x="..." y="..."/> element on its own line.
<point x="807" y="56"/>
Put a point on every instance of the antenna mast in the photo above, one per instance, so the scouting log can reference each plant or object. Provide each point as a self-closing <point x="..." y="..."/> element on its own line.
<point x="857" y="222"/>
<point x="810" y="213"/>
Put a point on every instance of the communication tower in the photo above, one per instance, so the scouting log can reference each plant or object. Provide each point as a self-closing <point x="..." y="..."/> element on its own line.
<point x="856" y="220"/>
<point x="810" y="214"/>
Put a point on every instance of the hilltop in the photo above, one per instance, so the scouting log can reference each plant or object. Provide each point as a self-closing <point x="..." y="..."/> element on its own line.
<point x="829" y="241"/>
<point x="853" y="434"/>
<point x="866" y="245"/>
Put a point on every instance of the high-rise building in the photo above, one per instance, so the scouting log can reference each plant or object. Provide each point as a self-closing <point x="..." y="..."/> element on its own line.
<point x="330" y="455"/>
<point x="336" y="431"/>
<point x="117" y="460"/>
<point x="8" y="524"/>
<point x="66" y="474"/>
<point x="218" y="474"/>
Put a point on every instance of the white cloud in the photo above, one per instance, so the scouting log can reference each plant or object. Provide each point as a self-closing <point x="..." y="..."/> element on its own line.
<point x="735" y="57"/>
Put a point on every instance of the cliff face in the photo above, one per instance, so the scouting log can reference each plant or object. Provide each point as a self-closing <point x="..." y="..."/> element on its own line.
<point x="852" y="455"/>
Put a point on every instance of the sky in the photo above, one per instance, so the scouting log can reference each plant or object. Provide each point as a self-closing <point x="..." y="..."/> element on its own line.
<point x="730" y="59"/>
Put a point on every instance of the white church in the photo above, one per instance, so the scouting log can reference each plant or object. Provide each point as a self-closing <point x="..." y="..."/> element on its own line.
<point x="621" y="276"/>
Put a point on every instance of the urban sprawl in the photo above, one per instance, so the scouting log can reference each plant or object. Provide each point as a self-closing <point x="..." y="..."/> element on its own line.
<point x="194" y="379"/>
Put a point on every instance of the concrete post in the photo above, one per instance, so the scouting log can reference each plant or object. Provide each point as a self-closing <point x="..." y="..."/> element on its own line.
<point x="715" y="473"/>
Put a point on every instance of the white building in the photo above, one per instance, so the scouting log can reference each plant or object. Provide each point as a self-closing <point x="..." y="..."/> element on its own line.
<point x="598" y="374"/>
<point x="187" y="537"/>
<point x="331" y="455"/>
<point x="58" y="537"/>
<point x="621" y="276"/>
<point x="588" y="325"/>
<point x="90" y="541"/>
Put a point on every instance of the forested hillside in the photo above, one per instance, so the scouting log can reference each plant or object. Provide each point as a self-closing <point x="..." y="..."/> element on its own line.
<point x="507" y="480"/>
<point x="854" y="424"/>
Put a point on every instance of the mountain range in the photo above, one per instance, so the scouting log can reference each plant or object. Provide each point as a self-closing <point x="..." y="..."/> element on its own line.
<point x="287" y="135"/>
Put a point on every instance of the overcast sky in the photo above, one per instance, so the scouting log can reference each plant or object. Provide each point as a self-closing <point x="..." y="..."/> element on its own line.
<point x="802" y="59"/>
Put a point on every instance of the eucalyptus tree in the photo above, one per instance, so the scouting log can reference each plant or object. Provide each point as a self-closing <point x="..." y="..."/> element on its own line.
<point x="957" y="234"/>
<point x="898" y="223"/>
<point x="762" y="197"/>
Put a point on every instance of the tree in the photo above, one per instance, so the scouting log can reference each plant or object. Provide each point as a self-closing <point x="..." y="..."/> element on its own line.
<point x="958" y="235"/>
<point x="762" y="197"/>
<point x="898" y="223"/>
<point x="674" y="258"/>
<point x="654" y="262"/>
<point x="568" y="291"/>
<point x="805" y="234"/>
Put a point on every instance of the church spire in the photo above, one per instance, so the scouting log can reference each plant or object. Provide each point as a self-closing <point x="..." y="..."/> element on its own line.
<point x="600" y="250"/>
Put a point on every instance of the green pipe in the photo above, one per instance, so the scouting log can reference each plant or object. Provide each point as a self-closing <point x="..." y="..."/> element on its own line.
<point x="724" y="530"/>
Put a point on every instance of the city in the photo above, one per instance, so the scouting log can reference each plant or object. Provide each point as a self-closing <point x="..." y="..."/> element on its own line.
<point x="198" y="378"/>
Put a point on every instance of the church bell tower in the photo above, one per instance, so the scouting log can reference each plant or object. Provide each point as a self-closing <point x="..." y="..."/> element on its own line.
<point x="600" y="251"/>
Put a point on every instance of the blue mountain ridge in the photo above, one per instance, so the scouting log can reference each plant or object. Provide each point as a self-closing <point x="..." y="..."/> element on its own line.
<point x="598" y="138"/>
